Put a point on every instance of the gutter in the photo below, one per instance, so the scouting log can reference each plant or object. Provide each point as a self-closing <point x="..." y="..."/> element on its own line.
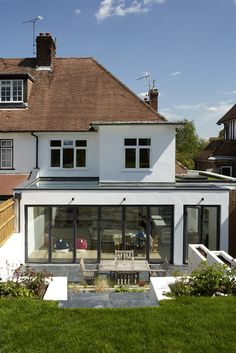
<point x="37" y="151"/>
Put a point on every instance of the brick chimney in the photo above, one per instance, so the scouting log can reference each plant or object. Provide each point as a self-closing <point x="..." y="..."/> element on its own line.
<point x="153" y="97"/>
<point x="46" y="50"/>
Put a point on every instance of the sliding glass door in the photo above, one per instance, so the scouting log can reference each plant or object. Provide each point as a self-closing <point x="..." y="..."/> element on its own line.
<point x="67" y="233"/>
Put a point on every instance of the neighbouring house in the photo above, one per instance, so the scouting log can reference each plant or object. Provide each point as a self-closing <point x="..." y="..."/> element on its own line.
<point x="219" y="156"/>
<point x="102" y="167"/>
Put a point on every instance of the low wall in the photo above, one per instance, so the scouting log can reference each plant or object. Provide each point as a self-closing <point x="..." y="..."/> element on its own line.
<point x="159" y="286"/>
<point x="11" y="255"/>
<point x="198" y="253"/>
<point x="57" y="289"/>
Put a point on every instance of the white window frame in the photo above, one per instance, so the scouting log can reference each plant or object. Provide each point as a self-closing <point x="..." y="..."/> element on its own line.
<point x="7" y="147"/>
<point x="69" y="146"/>
<point x="137" y="148"/>
<point x="10" y="85"/>
<point x="226" y="166"/>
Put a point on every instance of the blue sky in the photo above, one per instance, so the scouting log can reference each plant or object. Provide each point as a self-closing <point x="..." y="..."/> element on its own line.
<point x="187" y="46"/>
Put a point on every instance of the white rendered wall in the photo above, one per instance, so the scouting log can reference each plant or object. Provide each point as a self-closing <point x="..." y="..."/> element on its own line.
<point x="140" y="197"/>
<point x="23" y="152"/>
<point x="12" y="254"/>
<point x="111" y="153"/>
<point x="91" y="169"/>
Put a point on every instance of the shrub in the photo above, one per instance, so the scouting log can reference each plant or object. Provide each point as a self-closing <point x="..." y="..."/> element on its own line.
<point x="25" y="282"/>
<point x="206" y="280"/>
<point x="180" y="287"/>
<point x="213" y="279"/>
<point x="101" y="284"/>
<point x="14" y="290"/>
<point x="31" y="279"/>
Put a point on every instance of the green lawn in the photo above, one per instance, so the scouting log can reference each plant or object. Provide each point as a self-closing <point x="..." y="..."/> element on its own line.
<point x="177" y="326"/>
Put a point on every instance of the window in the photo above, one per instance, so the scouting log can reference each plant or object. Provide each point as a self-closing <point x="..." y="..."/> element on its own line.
<point x="68" y="153"/>
<point x="6" y="154"/>
<point x="226" y="170"/>
<point x="137" y="152"/>
<point x="11" y="91"/>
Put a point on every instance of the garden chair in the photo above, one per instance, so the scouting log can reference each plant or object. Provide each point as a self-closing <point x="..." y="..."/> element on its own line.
<point x="87" y="274"/>
<point x="124" y="255"/>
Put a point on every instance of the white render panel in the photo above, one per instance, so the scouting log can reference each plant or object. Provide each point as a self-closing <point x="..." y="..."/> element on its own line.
<point x="140" y="197"/>
<point x="111" y="153"/>
<point x="91" y="169"/>
<point x="11" y="255"/>
<point x="23" y="152"/>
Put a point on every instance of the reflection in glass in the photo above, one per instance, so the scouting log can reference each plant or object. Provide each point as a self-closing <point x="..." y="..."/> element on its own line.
<point x="62" y="234"/>
<point x="38" y="234"/>
<point x="209" y="227"/>
<point x="161" y="219"/>
<point x="110" y="231"/>
<point x="136" y="230"/>
<point x="87" y="233"/>
<point x="201" y="227"/>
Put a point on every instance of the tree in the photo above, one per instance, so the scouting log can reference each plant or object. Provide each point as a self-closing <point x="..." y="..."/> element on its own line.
<point x="188" y="144"/>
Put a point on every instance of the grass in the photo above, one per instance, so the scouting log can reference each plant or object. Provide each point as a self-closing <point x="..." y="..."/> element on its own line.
<point x="178" y="326"/>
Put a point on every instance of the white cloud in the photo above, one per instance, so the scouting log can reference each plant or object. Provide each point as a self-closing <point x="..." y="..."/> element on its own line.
<point x="77" y="12"/>
<point x="156" y="1"/>
<point x="228" y="93"/>
<point x="234" y="1"/>
<point x="204" y="115"/>
<point x="109" y="8"/>
<point x="175" y="73"/>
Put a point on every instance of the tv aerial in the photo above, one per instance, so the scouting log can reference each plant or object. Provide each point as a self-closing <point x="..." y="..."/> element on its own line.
<point x="147" y="77"/>
<point x="33" y="21"/>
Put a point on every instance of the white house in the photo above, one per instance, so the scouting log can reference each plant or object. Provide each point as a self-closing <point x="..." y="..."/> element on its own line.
<point x="101" y="164"/>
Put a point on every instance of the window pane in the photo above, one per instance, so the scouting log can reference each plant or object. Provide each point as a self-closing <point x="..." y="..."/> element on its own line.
<point x="130" y="158"/>
<point x="136" y="230"/>
<point x="6" y="94"/>
<point x="226" y="171"/>
<point x="6" y="143"/>
<point x="144" y="142"/>
<point x="62" y="234"/>
<point x="6" y="158"/>
<point x="17" y="90"/>
<point x="55" y="143"/>
<point x="87" y="233"/>
<point x="144" y="158"/>
<point x="192" y="228"/>
<point x="209" y="227"/>
<point x="130" y="142"/>
<point x="68" y="143"/>
<point x="161" y="220"/>
<point x="80" y="158"/>
<point x="55" y="158"/>
<point x="68" y="158"/>
<point x="38" y="234"/>
<point x="81" y="143"/>
<point x="110" y="231"/>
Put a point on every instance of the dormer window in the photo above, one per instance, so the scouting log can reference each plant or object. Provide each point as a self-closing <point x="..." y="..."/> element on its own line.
<point x="11" y="91"/>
